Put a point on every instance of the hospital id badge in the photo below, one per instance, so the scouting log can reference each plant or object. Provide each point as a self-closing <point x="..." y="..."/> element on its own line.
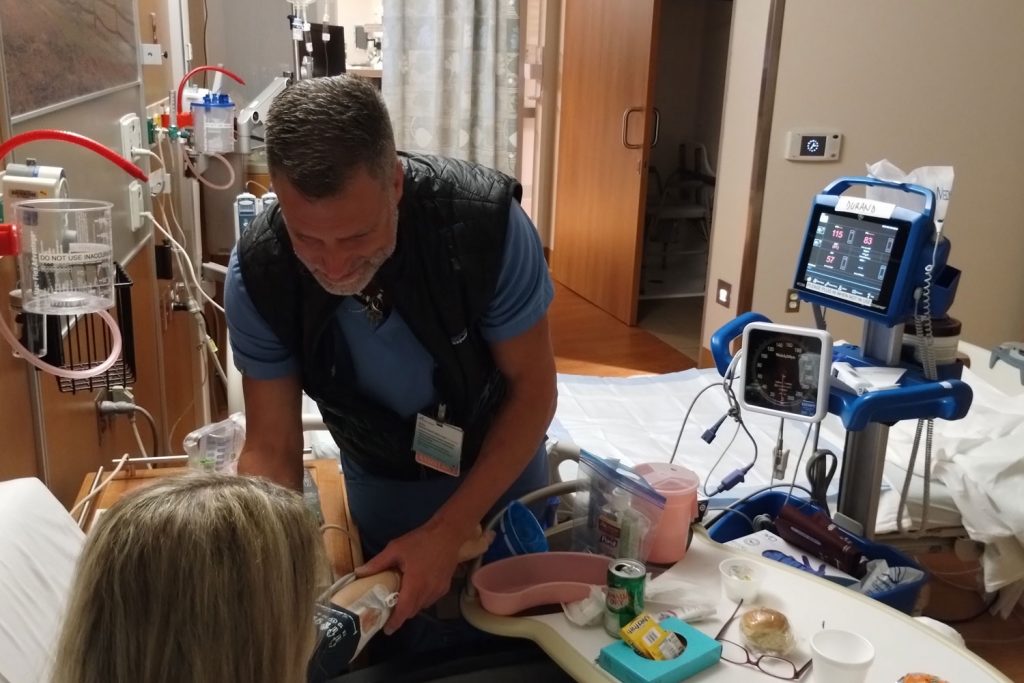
<point x="438" y="445"/>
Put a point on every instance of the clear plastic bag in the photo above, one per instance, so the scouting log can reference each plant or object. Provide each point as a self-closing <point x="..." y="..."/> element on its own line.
<point x="615" y="511"/>
<point x="938" y="179"/>
<point x="216" y="447"/>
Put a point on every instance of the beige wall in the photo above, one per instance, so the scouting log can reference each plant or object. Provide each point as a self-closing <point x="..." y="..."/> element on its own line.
<point x="918" y="82"/>
<point x="154" y="27"/>
<point x="736" y="165"/>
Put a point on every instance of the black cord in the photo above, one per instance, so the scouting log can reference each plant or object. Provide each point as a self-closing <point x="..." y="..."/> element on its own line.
<point x="152" y="427"/>
<point x="327" y="53"/>
<point x="206" y="44"/>
<point x="821" y="467"/>
<point x="731" y="509"/>
<point x="980" y="613"/>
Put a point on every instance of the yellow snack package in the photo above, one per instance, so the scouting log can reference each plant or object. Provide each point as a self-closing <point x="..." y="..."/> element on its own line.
<point x="650" y="640"/>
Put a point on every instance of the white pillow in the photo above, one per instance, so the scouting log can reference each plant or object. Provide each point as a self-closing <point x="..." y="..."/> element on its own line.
<point x="39" y="547"/>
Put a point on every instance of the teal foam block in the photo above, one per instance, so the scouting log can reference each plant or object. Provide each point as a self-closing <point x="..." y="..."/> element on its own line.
<point x="702" y="651"/>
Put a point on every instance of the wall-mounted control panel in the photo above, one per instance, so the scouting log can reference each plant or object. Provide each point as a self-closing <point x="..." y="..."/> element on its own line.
<point x="813" y="145"/>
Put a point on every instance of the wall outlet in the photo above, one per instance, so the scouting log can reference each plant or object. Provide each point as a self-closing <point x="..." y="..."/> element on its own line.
<point x="723" y="293"/>
<point x="131" y="134"/>
<point x="792" y="301"/>
<point x="135" y="204"/>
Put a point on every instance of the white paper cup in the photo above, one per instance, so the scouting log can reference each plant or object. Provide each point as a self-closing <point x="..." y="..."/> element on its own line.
<point x="841" y="656"/>
<point x="741" y="580"/>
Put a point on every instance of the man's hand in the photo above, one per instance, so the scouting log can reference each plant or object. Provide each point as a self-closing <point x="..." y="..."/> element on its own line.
<point x="426" y="558"/>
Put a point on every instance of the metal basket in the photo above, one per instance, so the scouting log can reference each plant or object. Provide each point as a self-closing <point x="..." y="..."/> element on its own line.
<point x="85" y="342"/>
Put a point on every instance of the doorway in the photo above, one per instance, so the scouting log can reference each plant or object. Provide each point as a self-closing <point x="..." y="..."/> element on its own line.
<point x="640" y="96"/>
<point x="689" y="86"/>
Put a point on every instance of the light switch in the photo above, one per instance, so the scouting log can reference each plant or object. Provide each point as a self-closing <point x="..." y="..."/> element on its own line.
<point x="723" y="294"/>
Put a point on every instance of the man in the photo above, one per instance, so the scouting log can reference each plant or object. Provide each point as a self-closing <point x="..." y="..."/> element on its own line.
<point x="407" y="295"/>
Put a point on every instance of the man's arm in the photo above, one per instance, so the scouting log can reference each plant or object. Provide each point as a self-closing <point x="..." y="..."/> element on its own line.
<point x="528" y="364"/>
<point x="427" y="556"/>
<point x="273" y="430"/>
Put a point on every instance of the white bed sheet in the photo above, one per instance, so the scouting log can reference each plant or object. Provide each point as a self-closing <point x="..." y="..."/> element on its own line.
<point x="637" y="419"/>
<point x="977" y="476"/>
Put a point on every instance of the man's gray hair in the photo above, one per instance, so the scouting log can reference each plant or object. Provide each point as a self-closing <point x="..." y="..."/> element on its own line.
<point x="321" y="130"/>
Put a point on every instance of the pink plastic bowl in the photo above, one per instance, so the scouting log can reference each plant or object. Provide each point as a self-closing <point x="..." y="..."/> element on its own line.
<point x="518" y="583"/>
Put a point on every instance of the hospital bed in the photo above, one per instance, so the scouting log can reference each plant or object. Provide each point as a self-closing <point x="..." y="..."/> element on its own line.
<point x="974" y="487"/>
<point x="973" y="490"/>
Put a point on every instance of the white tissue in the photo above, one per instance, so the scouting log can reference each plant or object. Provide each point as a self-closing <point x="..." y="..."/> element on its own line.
<point x="588" y="611"/>
<point x="938" y="179"/>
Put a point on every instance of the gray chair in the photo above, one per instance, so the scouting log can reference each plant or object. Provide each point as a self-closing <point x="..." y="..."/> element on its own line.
<point x="684" y="201"/>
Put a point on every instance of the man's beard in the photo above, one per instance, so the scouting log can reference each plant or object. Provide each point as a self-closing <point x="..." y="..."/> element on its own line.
<point x="357" y="282"/>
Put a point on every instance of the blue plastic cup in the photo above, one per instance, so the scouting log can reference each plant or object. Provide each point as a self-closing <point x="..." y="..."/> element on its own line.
<point x="518" y="533"/>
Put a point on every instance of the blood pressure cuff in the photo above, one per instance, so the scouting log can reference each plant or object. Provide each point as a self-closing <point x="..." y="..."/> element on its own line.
<point x="339" y="634"/>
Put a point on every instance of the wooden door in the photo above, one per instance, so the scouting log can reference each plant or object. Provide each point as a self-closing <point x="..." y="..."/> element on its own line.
<point x="603" y="143"/>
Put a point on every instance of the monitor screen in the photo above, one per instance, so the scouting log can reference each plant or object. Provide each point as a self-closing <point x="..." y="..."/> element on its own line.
<point x="329" y="57"/>
<point x="854" y="259"/>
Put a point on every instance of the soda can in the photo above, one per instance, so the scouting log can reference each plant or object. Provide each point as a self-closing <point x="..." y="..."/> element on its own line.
<point x="625" y="597"/>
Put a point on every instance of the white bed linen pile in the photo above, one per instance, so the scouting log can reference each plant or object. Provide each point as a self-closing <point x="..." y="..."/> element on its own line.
<point x="980" y="460"/>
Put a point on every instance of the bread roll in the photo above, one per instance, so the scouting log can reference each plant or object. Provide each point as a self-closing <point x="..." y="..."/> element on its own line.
<point x="767" y="631"/>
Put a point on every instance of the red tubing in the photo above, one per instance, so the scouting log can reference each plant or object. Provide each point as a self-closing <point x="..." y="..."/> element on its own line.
<point x="47" y="134"/>
<point x="200" y="69"/>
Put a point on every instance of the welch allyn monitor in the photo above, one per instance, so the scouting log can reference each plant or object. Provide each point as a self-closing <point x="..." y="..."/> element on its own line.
<point x="865" y="257"/>
<point x="785" y="371"/>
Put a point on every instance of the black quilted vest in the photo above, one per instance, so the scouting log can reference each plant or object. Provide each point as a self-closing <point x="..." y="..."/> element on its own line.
<point x="451" y="234"/>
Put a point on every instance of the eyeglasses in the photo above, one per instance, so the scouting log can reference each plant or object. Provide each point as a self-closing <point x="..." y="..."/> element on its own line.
<point x="776" y="667"/>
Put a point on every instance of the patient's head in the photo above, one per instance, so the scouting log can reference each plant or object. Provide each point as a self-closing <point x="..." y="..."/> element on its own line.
<point x="196" y="578"/>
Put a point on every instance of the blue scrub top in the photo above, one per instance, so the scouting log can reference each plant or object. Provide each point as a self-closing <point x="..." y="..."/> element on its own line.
<point x="393" y="368"/>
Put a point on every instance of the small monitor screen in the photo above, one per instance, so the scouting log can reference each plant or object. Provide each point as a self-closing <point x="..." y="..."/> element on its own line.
<point x="328" y="57"/>
<point x="812" y="145"/>
<point x="853" y="259"/>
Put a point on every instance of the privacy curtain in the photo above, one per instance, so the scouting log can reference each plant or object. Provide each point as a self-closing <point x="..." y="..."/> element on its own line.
<point x="450" y="78"/>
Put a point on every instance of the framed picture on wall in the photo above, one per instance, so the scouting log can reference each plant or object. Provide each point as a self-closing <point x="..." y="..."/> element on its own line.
<point x="58" y="51"/>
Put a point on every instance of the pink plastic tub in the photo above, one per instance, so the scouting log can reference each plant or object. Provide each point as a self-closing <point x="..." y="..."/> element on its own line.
<point x="518" y="583"/>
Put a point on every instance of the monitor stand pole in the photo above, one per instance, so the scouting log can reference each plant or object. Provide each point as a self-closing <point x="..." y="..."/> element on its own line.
<point x="860" y="483"/>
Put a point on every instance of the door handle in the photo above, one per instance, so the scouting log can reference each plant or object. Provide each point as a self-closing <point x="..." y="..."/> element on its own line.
<point x="625" y="127"/>
<point x="657" y="127"/>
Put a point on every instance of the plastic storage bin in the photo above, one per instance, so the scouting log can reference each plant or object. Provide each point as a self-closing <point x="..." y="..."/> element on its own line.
<point x="730" y="526"/>
<point x="679" y="487"/>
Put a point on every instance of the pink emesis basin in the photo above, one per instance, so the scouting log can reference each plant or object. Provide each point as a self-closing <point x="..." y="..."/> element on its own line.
<point x="518" y="583"/>
<point x="679" y="486"/>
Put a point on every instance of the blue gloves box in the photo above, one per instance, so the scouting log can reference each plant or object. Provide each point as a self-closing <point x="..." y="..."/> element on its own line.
<point x="702" y="651"/>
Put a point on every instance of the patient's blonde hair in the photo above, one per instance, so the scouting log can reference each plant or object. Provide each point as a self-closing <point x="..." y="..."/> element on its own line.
<point x="199" y="578"/>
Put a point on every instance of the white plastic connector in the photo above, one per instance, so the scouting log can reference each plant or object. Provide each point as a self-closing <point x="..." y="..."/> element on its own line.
<point x="136" y="204"/>
<point x="159" y="182"/>
<point x="131" y="134"/>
